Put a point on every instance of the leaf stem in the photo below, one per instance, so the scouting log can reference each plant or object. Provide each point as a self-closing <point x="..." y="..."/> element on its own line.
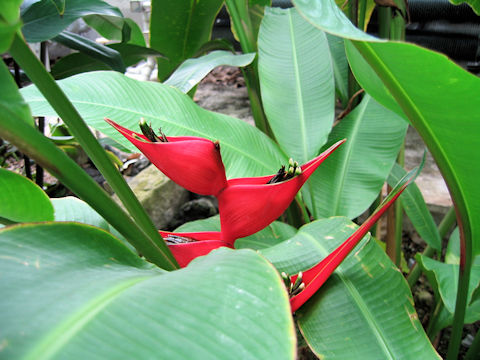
<point x="64" y="108"/>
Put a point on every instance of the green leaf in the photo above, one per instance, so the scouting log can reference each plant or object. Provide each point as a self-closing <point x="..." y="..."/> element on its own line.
<point x="9" y="23"/>
<point x="88" y="47"/>
<point x="474" y="4"/>
<point x="10" y="99"/>
<point x="413" y="88"/>
<point x="73" y="209"/>
<point x="113" y="28"/>
<point x="65" y="285"/>
<point x="352" y="177"/>
<point x="444" y="280"/>
<point x="326" y="15"/>
<point x="273" y="234"/>
<point x="179" y="28"/>
<point x="192" y="71"/>
<point x="416" y="209"/>
<point x="245" y="150"/>
<point x="42" y="20"/>
<point x="340" y="67"/>
<point x="21" y="200"/>
<point x="76" y="63"/>
<point x="365" y="310"/>
<point x="15" y="129"/>
<point x="296" y="78"/>
<point x="452" y="254"/>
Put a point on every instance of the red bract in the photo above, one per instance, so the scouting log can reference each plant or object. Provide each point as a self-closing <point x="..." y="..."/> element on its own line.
<point x="316" y="276"/>
<point x="203" y="243"/>
<point x="192" y="162"/>
<point x="247" y="205"/>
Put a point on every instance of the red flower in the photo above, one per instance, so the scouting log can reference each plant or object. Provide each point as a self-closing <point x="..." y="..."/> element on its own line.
<point x="192" y="162"/>
<point x="316" y="276"/>
<point x="247" y="205"/>
<point x="187" y="246"/>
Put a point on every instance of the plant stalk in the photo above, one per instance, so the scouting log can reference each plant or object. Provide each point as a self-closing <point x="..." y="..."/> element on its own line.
<point x="64" y="108"/>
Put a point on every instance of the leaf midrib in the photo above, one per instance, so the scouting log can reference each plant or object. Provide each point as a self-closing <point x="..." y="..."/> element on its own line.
<point x="59" y="337"/>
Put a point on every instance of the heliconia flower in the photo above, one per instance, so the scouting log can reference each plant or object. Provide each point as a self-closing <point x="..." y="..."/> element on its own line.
<point x="187" y="246"/>
<point x="304" y="285"/>
<point x="192" y="162"/>
<point x="247" y="205"/>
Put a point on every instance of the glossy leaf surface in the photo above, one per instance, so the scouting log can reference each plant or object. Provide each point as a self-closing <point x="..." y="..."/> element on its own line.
<point x="297" y="83"/>
<point x="113" y="28"/>
<point x="73" y="291"/>
<point x="43" y="21"/>
<point x="349" y="181"/>
<point x="9" y="23"/>
<point x="192" y="71"/>
<point x="245" y="150"/>
<point x="354" y="315"/>
<point x="21" y="200"/>
<point x="179" y="28"/>
<point x="416" y="209"/>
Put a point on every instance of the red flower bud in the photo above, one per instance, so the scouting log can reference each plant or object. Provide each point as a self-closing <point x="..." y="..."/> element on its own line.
<point x="197" y="244"/>
<point x="192" y="162"/>
<point x="247" y="205"/>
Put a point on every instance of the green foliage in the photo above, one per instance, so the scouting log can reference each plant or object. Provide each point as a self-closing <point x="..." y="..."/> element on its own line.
<point x="346" y="318"/>
<point x="415" y="207"/>
<point x="44" y="20"/>
<point x="474" y="4"/>
<point x="296" y="79"/>
<point x="245" y="150"/>
<point x="350" y="180"/>
<point x="192" y="71"/>
<point x="21" y="200"/>
<point x="100" y="287"/>
<point x="179" y="28"/>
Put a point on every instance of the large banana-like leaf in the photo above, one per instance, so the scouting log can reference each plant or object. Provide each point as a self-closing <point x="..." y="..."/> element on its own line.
<point x="72" y="291"/>
<point x="350" y="180"/>
<point x="365" y="310"/>
<point x="179" y="28"/>
<point x="245" y="150"/>
<point x="297" y="83"/>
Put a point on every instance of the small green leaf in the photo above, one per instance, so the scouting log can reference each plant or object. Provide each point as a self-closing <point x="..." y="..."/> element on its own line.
<point x="192" y="71"/>
<point x="416" y="209"/>
<point x="73" y="209"/>
<point x="21" y="200"/>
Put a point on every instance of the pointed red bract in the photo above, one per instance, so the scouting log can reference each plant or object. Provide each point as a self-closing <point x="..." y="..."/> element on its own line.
<point x="247" y="205"/>
<point x="192" y="162"/>
<point x="186" y="252"/>
<point x="316" y="276"/>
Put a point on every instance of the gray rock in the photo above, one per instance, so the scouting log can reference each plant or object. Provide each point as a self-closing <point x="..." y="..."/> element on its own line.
<point x="160" y="196"/>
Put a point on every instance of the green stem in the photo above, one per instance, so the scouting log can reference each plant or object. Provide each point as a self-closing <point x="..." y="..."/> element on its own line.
<point x="371" y="209"/>
<point x="417" y="269"/>
<point x="362" y="11"/>
<point x="474" y="349"/>
<point x="242" y="25"/>
<point x="432" y="323"/>
<point x="16" y="130"/>
<point x="64" y="108"/>
<point x="384" y="19"/>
